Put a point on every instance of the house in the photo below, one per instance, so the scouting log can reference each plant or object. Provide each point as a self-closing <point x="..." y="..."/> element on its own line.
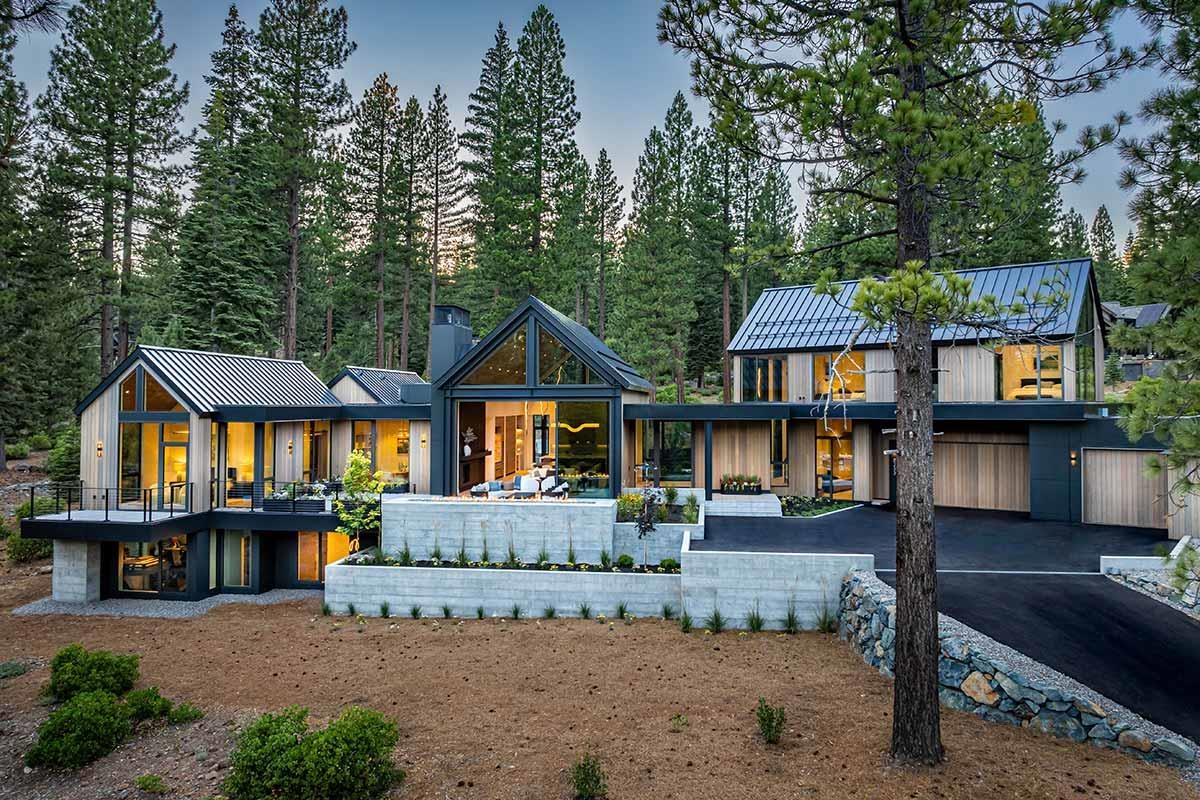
<point x="205" y="472"/>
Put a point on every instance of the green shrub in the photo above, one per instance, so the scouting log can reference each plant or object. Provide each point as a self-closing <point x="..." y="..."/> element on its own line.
<point x="668" y="611"/>
<point x="715" y="621"/>
<point x="16" y="450"/>
<point x="516" y="611"/>
<point x="184" y="713"/>
<point x="791" y="622"/>
<point x="685" y="622"/>
<point x="771" y="720"/>
<point x="447" y="612"/>
<point x="385" y="610"/>
<point x="151" y="784"/>
<point x="669" y="565"/>
<point x="622" y="610"/>
<point x="479" y="613"/>
<point x="691" y="510"/>
<point x="62" y="465"/>
<point x="74" y="670"/>
<point x="415" y="612"/>
<point x="86" y="727"/>
<point x="22" y="550"/>
<point x="5" y="530"/>
<point x="605" y="559"/>
<point x="628" y="506"/>
<point x="42" y="505"/>
<point x="277" y="756"/>
<point x="12" y="669"/>
<point x="326" y="610"/>
<point x="146" y="704"/>
<point x="585" y="611"/>
<point x="755" y="620"/>
<point x="826" y="620"/>
<point x="40" y="442"/>
<point x="671" y="496"/>
<point x="625" y="561"/>
<point x="587" y="778"/>
<point x="549" y="612"/>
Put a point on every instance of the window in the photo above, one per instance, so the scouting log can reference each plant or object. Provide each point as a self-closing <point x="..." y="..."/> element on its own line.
<point x="235" y="559"/>
<point x="835" y="459"/>
<point x="239" y="464"/>
<point x="153" y="567"/>
<point x="364" y="438"/>
<point x="583" y="447"/>
<point x="779" y="452"/>
<point x="557" y="365"/>
<point x="840" y="376"/>
<point x="505" y="366"/>
<point x="316" y="450"/>
<point x="129" y="392"/>
<point x="764" y="379"/>
<point x="157" y="398"/>
<point x="666" y="453"/>
<point x="1085" y="353"/>
<point x="392" y="449"/>
<point x="140" y="479"/>
<point x="1030" y="372"/>
<point x="269" y="452"/>
<point x="315" y="551"/>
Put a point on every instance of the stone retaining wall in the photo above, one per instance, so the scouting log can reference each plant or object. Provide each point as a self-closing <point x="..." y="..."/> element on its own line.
<point x="495" y="590"/>
<point x="971" y="681"/>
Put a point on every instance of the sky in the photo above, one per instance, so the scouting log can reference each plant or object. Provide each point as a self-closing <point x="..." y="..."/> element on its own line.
<point x="624" y="78"/>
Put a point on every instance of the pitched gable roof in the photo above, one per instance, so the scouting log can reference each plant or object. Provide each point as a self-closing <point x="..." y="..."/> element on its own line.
<point x="793" y="318"/>
<point x="206" y="381"/>
<point x="576" y="337"/>
<point x="386" y="386"/>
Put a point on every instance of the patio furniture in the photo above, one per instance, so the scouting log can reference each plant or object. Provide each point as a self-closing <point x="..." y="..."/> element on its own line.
<point x="529" y="487"/>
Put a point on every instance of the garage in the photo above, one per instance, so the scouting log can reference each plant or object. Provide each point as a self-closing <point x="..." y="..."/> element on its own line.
<point x="1117" y="490"/>
<point x="986" y="470"/>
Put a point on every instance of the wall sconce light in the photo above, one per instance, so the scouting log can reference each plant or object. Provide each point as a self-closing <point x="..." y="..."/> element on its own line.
<point x="291" y="446"/>
<point x="1074" y="458"/>
<point x="423" y="441"/>
<point x="99" y="449"/>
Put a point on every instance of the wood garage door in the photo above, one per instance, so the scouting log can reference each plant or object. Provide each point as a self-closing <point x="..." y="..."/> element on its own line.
<point x="970" y="473"/>
<point x="1117" y="491"/>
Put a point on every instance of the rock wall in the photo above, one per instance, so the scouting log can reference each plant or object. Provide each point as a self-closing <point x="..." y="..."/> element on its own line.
<point x="972" y="681"/>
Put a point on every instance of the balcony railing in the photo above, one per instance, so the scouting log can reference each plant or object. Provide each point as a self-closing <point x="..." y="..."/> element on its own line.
<point x="118" y="503"/>
<point x="295" y="497"/>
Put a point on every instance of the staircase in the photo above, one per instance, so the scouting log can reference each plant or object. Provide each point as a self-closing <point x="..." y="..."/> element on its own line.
<point x="743" y="505"/>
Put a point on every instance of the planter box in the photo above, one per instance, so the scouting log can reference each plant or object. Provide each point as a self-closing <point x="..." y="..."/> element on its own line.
<point x="301" y="506"/>
<point x="395" y="490"/>
<point x="755" y="490"/>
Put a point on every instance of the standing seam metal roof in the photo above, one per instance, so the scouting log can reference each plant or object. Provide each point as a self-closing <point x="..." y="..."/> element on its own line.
<point x="384" y="384"/>
<point x="796" y="318"/>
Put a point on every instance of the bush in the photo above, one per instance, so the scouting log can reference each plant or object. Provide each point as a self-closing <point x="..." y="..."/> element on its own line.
<point x="184" y="713"/>
<point x="40" y="442"/>
<point x="16" y="450"/>
<point x="671" y="496"/>
<point x="669" y="565"/>
<point x="22" y="550"/>
<point x="625" y="561"/>
<point x="42" y="505"/>
<point x="147" y="704"/>
<point x="685" y="622"/>
<point x="11" y="669"/>
<point x="62" y="465"/>
<point x="151" y="784"/>
<point x="755" y="620"/>
<point x="277" y="756"/>
<point x="587" y="778"/>
<point x="715" y="622"/>
<point x="86" y="727"/>
<point x="75" y="670"/>
<point x="771" y="720"/>
<point x="691" y="510"/>
<point x="628" y="506"/>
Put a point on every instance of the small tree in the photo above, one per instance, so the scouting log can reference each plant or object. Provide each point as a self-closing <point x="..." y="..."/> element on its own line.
<point x="358" y="507"/>
<point x="1112" y="370"/>
<point x="645" y="518"/>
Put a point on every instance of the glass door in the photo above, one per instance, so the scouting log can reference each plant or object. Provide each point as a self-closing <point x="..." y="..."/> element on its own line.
<point x="835" y="459"/>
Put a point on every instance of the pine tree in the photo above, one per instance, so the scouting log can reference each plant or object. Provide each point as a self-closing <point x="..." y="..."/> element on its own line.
<point x="409" y="187"/>
<point x="570" y="252"/>
<point x="300" y="44"/>
<point x="114" y="106"/>
<point x="709" y="204"/>
<point x="1070" y="236"/>
<point x="446" y="192"/>
<point x="1102" y="243"/>
<point x="369" y="170"/>
<point x="543" y="126"/>
<point x="231" y="234"/>
<point x="327" y="263"/>
<point x="607" y="207"/>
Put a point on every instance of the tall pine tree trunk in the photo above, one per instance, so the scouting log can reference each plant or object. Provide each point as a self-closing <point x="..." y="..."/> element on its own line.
<point x="328" y="343"/>
<point x="601" y="291"/>
<point x="126" y="246"/>
<point x="379" y="322"/>
<point x="108" y="260"/>
<point x="291" y="283"/>
<point x="405" y="318"/>
<point x="916" y="734"/>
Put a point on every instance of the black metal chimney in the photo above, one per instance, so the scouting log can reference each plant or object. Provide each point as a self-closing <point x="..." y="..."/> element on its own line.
<point x="451" y="338"/>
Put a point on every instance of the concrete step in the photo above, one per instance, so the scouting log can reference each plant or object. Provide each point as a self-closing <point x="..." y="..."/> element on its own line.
<point x="761" y="505"/>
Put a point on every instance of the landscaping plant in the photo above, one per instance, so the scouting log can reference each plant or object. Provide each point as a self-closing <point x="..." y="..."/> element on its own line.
<point x="549" y="612"/>
<point x="754" y="621"/>
<point x="791" y="622"/>
<point x="358" y="509"/>
<point x="151" y="784"/>
<point x="715" y="622"/>
<point x="587" y="778"/>
<point x="691" y="510"/>
<point x="668" y="611"/>
<point x="22" y="550"/>
<point x="74" y="670"/>
<point x="625" y="561"/>
<point x="184" y="713"/>
<point x="447" y="612"/>
<point x="771" y="720"/>
<point x="89" y="725"/>
<point x="415" y="612"/>
<point x="142" y="704"/>
<point x="385" y="610"/>
<point x="585" y="611"/>
<point x="685" y="622"/>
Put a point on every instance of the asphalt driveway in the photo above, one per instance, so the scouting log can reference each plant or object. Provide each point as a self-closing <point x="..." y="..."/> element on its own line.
<point x="1121" y="643"/>
<point x="966" y="539"/>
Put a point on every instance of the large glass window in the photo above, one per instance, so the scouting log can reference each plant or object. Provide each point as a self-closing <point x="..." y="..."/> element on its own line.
<point x="139" y="463"/>
<point x="235" y="559"/>
<point x="1030" y="372"/>
<point x="666" y="453"/>
<point x="764" y="379"/>
<point x="392" y="449"/>
<point x="505" y="366"/>
<point x="779" y="452"/>
<point x="558" y="365"/>
<point x="269" y="452"/>
<point x="583" y="458"/>
<point x="316" y="450"/>
<point x="1085" y="353"/>
<point x="364" y="438"/>
<point x="152" y="567"/>
<point x="129" y="392"/>
<point x="839" y="376"/>
<point x="315" y="551"/>
<point x="239" y="464"/>
<point x="157" y="398"/>
<point x="835" y="459"/>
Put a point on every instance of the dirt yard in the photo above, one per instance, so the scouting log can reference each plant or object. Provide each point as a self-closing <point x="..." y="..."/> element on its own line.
<point x="495" y="709"/>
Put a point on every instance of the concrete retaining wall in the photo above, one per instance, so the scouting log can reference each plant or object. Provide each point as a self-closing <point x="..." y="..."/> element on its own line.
<point x="529" y="525"/>
<point x="76" y="577"/>
<point x="737" y="583"/>
<point x="496" y="590"/>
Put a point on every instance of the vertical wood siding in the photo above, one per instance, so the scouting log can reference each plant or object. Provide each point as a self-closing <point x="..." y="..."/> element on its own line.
<point x="1117" y="490"/>
<point x="802" y="458"/>
<point x="741" y="448"/>
<point x="289" y="467"/>
<point x="863" y="457"/>
<point x="988" y="470"/>
<point x="1069" y="371"/>
<point x="968" y="374"/>
<point x="881" y="376"/>
<point x="348" y="391"/>
<point x="200" y="460"/>
<point x="418" y="458"/>
<point x="800" y="377"/>
<point x="341" y="433"/>
<point x="1183" y="512"/>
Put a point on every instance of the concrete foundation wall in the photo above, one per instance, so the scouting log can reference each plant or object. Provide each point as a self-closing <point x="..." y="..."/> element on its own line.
<point x="529" y="525"/>
<point x="76" y="577"/>
<point x="495" y="590"/>
<point x="737" y="583"/>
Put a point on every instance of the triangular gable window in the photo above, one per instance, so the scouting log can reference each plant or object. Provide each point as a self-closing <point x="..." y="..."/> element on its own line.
<point x="557" y="365"/>
<point x="505" y="366"/>
<point x="158" y="398"/>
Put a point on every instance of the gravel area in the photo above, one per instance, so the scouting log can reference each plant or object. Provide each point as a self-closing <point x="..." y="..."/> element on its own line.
<point x="163" y="609"/>
<point x="1130" y="579"/>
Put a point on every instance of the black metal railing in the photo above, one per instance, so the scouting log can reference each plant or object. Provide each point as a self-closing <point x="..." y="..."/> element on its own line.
<point x="295" y="497"/>
<point x="70" y="499"/>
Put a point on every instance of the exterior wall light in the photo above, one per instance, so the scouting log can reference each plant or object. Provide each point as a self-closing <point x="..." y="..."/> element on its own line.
<point x="291" y="446"/>
<point x="1074" y="458"/>
<point x="99" y="449"/>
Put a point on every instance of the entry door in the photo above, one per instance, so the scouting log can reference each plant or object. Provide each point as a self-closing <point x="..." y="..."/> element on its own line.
<point x="1117" y="490"/>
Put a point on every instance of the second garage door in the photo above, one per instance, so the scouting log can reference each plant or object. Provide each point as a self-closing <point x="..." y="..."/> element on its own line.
<point x="981" y="470"/>
<point x="1117" y="490"/>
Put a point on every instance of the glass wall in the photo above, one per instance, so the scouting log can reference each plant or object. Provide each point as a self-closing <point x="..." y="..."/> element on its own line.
<point x="314" y="551"/>
<point x="845" y="383"/>
<point x="1030" y="372"/>
<point x="129" y="392"/>
<point x="175" y="464"/>
<point x="153" y="567"/>
<point x="317" y="445"/>
<point x="139" y="463"/>
<point x="505" y="366"/>
<point x="835" y="459"/>
<point x="239" y="464"/>
<point x="764" y="379"/>
<point x="364" y="437"/>
<point x="665" y="452"/>
<point x="392" y="450"/>
<point x="557" y="365"/>
<point x="235" y="559"/>
<point x="779" y="452"/>
<point x="1085" y="354"/>
<point x="583" y="457"/>
<point x="157" y="398"/>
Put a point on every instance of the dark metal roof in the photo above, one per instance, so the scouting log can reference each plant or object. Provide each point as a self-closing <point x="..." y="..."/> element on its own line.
<point x="575" y="336"/>
<point x="387" y="386"/>
<point x="1150" y="314"/>
<point x="795" y="318"/>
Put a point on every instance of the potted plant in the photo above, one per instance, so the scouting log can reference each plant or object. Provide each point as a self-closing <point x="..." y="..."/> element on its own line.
<point x="398" y="486"/>
<point x="741" y="484"/>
